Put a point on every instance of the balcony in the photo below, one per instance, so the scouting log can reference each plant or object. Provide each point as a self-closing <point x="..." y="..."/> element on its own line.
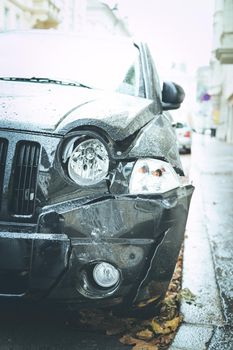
<point x="224" y="55"/>
<point x="223" y="32"/>
<point x="44" y="14"/>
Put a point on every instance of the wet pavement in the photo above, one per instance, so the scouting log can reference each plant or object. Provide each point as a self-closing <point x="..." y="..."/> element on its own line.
<point x="208" y="254"/>
<point x="30" y="327"/>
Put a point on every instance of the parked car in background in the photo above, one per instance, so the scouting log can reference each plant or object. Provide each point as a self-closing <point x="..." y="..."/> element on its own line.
<point x="184" y="137"/>
<point x="93" y="203"/>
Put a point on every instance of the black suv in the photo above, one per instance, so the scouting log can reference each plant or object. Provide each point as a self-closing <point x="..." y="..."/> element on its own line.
<point x="93" y="202"/>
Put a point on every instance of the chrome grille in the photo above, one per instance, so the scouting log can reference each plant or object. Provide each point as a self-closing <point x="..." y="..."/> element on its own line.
<point x="25" y="171"/>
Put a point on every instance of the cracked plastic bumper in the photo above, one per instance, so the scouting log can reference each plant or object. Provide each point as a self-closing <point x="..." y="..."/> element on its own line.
<point x="140" y="235"/>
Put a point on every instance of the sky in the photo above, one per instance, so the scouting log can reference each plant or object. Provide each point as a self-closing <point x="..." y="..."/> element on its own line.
<point x="176" y="30"/>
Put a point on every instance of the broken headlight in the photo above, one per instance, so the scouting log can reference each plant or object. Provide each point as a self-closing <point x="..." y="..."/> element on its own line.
<point x="153" y="176"/>
<point x="89" y="162"/>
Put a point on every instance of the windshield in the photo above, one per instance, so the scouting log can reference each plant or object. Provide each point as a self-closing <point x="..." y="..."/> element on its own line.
<point x="104" y="64"/>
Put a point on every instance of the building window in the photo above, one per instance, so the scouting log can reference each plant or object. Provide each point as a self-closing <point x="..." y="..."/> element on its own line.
<point x="6" y="18"/>
<point x="17" y="21"/>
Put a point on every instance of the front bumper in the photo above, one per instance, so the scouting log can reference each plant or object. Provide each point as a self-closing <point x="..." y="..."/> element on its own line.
<point x="140" y="235"/>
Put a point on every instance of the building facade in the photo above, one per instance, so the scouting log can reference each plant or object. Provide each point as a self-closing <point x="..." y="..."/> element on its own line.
<point x="221" y="89"/>
<point x="18" y="14"/>
<point x="90" y="16"/>
<point x="204" y="116"/>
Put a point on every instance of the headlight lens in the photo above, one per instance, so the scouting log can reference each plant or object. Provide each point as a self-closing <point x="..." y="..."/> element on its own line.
<point x="153" y="176"/>
<point x="89" y="162"/>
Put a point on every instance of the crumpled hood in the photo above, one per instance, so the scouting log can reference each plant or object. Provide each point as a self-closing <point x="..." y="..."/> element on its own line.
<point x="57" y="109"/>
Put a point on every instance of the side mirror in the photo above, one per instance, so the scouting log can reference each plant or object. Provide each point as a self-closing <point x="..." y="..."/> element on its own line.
<point x="172" y="95"/>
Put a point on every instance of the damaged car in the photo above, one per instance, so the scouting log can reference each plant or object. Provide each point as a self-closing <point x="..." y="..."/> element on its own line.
<point x="93" y="197"/>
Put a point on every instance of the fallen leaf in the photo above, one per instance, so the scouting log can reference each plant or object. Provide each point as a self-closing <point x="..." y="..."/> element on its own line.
<point x="128" y="340"/>
<point x="157" y="328"/>
<point x="147" y="302"/>
<point x="141" y="345"/>
<point x="186" y="295"/>
<point x="173" y="324"/>
<point x="166" y="339"/>
<point x="145" y="334"/>
<point x="166" y="327"/>
<point x="170" y="301"/>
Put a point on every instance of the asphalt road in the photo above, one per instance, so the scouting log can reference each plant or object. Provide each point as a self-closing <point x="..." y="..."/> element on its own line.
<point x="25" y="327"/>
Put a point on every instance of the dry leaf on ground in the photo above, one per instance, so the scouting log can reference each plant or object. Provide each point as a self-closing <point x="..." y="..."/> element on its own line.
<point x="145" y="346"/>
<point x="167" y="326"/>
<point x="186" y="295"/>
<point x="147" y="302"/>
<point x="145" y="334"/>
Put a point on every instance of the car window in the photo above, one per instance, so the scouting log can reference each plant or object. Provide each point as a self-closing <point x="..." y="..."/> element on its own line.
<point x="153" y="89"/>
<point x="98" y="63"/>
<point x="179" y="125"/>
<point x="133" y="83"/>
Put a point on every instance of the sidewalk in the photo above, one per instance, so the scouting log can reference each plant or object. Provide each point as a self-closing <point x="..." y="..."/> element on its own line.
<point x="208" y="255"/>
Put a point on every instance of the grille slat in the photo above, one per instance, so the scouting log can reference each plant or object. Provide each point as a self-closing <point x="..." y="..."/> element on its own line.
<point x="25" y="178"/>
<point x="3" y="153"/>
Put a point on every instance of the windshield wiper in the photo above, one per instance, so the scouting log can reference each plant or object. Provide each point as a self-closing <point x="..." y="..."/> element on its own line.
<point x="46" y="81"/>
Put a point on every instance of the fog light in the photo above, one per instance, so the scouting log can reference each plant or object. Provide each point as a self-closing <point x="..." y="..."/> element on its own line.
<point x="105" y="275"/>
